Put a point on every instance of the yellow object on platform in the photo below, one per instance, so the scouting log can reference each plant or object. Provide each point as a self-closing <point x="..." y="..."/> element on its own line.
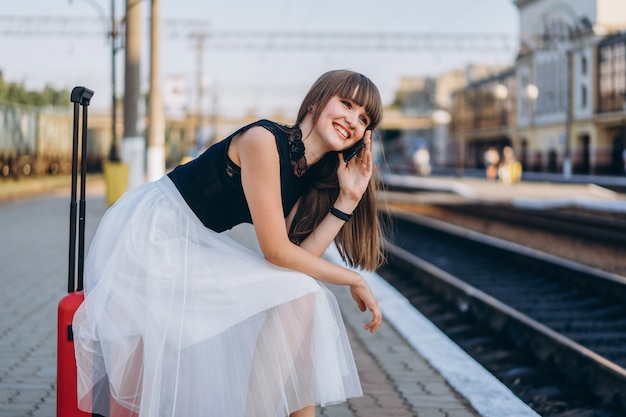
<point x="510" y="172"/>
<point x="116" y="180"/>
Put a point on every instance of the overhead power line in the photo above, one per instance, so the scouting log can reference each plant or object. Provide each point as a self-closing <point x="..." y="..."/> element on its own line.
<point x="359" y="41"/>
<point x="231" y="40"/>
<point x="83" y="26"/>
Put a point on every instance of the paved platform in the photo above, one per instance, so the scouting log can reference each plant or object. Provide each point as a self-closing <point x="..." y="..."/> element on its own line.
<point x="408" y="368"/>
<point x="523" y="194"/>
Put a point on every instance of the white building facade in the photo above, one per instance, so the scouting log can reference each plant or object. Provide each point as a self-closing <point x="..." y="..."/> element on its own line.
<point x="557" y="73"/>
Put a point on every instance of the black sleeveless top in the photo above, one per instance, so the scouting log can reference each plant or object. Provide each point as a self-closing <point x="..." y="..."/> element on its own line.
<point x="211" y="183"/>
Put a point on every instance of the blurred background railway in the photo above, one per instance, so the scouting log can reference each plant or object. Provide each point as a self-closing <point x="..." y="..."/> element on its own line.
<point x="558" y="108"/>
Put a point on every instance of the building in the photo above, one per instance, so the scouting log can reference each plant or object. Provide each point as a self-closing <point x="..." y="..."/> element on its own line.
<point x="421" y="117"/>
<point x="562" y="105"/>
<point x="484" y="117"/>
<point x="610" y="115"/>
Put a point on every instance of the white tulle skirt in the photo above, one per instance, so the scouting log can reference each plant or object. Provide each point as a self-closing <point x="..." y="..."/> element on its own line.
<point x="179" y="320"/>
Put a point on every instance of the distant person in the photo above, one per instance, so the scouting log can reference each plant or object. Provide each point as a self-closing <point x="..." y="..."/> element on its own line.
<point x="492" y="159"/>
<point x="538" y="162"/>
<point x="181" y="318"/>
<point x="510" y="170"/>
<point x="421" y="160"/>
<point x="552" y="161"/>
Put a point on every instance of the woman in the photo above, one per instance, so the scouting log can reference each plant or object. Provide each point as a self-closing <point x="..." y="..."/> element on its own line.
<point x="180" y="319"/>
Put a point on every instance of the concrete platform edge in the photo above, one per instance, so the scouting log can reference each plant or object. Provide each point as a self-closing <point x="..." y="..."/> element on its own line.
<point x="484" y="391"/>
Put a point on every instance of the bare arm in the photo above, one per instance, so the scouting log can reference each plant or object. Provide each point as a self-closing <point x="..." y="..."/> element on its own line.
<point x="260" y="177"/>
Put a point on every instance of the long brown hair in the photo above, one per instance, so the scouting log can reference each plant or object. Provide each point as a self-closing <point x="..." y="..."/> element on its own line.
<point x="360" y="240"/>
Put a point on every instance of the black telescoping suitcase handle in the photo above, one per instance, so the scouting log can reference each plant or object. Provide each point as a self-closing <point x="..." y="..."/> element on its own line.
<point x="80" y="96"/>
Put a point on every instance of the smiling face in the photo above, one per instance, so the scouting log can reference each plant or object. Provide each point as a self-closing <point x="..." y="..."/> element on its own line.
<point x="355" y="87"/>
<point x="342" y="123"/>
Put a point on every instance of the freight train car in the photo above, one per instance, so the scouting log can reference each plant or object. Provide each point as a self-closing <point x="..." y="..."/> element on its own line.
<point x="18" y="131"/>
<point x="36" y="141"/>
<point x="54" y="144"/>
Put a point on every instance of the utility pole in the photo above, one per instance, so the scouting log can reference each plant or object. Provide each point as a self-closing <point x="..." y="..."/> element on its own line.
<point x="460" y="135"/>
<point x="133" y="144"/>
<point x="113" y="152"/>
<point x="200" y="40"/>
<point x="115" y="170"/>
<point x="569" y="91"/>
<point x="156" y="128"/>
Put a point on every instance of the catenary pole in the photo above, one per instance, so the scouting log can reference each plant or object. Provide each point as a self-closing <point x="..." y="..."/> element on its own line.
<point x="113" y="152"/>
<point x="156" y="128"/>
<point x="133" y="143"/>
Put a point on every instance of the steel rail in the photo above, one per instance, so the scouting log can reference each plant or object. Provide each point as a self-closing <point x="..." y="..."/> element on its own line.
<point x="606" y="378"/>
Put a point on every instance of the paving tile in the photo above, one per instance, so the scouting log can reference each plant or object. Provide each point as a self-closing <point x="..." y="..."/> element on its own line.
<point x="396" y="381"/>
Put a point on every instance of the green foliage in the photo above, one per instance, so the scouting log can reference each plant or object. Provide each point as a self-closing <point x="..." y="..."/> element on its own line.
<point x="16" y="93"/>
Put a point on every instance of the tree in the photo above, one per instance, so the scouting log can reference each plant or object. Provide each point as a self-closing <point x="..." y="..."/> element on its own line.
<point x="16" y="93"/>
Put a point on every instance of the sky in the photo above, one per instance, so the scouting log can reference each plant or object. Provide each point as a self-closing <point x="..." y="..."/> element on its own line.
<point x="261" y="79"/>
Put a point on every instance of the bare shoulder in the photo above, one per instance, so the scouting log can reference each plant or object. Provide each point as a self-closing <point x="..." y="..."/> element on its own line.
<point x="257" y="139"/>
<point x="254" y="134"/>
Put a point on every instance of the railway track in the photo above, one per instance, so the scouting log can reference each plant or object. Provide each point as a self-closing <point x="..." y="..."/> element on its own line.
<point x="604" y="227"/>
<point x="547" y="316"/>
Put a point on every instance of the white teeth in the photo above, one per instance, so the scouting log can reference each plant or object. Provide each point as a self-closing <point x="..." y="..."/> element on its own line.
<point x="340" y="130"/>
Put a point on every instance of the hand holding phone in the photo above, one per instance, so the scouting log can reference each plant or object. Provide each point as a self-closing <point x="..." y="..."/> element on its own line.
<point x="354" y="150"/>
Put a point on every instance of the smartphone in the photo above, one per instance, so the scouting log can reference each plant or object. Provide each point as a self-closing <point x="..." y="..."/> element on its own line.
<point x="354" y="150"/>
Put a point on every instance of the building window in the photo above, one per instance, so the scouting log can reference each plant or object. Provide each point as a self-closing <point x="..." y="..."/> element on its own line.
<point x="583" y="65"/>
<point x="583" y="96"/>
<point x="612" y="76"/>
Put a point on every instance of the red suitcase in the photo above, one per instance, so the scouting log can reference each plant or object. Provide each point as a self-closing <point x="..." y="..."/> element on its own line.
<point x="67" y="401"/>
<point x="67" y="396"/>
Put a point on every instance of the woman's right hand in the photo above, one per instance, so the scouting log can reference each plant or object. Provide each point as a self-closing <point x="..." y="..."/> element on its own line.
<point x="354" y="177"/>
<point x="365" y="300"/>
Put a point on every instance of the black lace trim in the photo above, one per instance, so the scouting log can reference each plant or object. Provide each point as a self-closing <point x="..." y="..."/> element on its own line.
<point x="296" y="152"/>
<point x="296" y="149"/>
